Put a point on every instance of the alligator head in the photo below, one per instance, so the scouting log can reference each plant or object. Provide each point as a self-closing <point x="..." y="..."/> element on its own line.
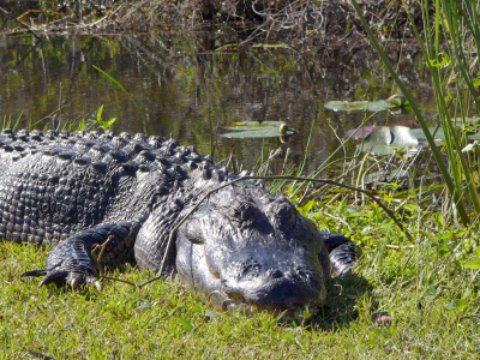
<point x="251" y="247"/>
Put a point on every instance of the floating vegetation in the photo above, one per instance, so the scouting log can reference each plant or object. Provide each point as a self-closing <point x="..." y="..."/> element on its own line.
<point x="394" y="103"/>
<point x="258" y="130"/>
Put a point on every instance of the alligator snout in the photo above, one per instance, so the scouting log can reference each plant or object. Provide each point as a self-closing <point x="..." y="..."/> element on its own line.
<point x="280" y="290"/>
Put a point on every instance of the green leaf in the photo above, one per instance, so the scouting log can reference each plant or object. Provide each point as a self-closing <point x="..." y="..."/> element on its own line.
<point x="105" y="124"/>
<point x="457" y="304"/>
<point x="82" y="125"/>
<point x="411" y="207"/>
<point x="108" y="123"/>
<point x="112" y="79"/>
<point x="306" y="315"/>
<point x="99" y="114"/>
<point x="308" y="206"/>
<point x="185" y="323"/>
<point x="472" y="263"/>
<point x="442" y="61"/>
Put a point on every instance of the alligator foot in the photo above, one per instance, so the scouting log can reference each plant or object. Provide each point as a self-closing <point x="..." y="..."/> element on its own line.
<point x="79" y="259"/>
<point x="343" y="253"/>
<point x="59" y="277"/>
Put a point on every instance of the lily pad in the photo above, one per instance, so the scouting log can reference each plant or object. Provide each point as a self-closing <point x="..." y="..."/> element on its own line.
<point x="437" y="133"/>
<point x="256" y="130"/>
<point x="468" y="119"/>
<point x="393" y="103"/>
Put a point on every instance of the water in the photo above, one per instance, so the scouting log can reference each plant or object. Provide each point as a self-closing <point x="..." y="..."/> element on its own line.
<point x="184" y="89"/>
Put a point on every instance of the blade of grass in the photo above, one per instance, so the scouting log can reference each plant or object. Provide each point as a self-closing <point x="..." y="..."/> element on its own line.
<point x="122" y="88"/>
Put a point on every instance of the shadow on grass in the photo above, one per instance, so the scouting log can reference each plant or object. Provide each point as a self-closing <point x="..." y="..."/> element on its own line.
<point x="340" y="310"/>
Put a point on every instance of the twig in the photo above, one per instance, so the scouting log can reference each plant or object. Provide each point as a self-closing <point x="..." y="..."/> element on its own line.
<point x="98" y="261"/>
<point x="120" y="280"/>
<point x="98" y="258"/>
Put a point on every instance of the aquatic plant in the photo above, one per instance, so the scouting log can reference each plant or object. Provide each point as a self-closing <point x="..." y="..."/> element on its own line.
<point x="453" y="71"/>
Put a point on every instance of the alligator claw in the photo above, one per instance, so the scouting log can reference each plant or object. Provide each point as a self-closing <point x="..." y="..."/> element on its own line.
<point x="51" y="276"/>
<point x="74" y="281"/>
<point x="56" y="276"/>
<point x="77" y="279"/>
<point x="62" y="277"/>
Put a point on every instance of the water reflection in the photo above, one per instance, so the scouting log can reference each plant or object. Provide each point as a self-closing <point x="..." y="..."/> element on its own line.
<point x="184" y="89"/>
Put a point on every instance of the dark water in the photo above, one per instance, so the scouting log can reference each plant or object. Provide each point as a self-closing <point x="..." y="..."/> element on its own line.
<point x="184" y="89"/>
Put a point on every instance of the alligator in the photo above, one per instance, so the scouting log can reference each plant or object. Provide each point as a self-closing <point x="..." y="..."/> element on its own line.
<point x="126" y="194"/>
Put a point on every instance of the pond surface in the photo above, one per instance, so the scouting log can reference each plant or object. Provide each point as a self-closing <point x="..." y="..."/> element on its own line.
<point x="185" y="89"/>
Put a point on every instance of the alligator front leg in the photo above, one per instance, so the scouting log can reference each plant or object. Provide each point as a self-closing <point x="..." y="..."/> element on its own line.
<point x="342" y="252"/>
<point x="79" y="259"/>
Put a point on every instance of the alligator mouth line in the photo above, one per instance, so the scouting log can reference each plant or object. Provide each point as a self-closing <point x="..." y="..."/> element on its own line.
<point x="234" y="302"/>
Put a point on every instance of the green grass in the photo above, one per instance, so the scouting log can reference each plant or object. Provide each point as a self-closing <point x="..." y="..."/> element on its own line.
<point x="432" y="299"/>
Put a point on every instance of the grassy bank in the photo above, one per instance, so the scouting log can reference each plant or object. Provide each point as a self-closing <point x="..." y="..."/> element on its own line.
<point x="424" y="286"/>
<point x="305" y="25"/>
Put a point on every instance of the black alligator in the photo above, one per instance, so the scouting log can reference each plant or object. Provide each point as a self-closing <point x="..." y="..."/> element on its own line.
<point x="124" y="194"/>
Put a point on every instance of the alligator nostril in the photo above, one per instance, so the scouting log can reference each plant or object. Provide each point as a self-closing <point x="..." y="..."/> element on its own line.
<point x="276" y="274"/>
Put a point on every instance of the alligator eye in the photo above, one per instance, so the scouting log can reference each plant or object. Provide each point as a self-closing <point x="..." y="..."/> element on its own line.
<point x="193" y="233"/>
<point x="252" y="217"/>
<point x="286" y="216"/>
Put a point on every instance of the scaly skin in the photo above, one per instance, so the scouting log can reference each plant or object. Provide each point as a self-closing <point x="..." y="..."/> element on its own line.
<point x="127" y="192"/>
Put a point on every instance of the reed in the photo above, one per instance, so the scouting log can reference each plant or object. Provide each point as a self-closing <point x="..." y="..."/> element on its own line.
<point x="449" y="43"/>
